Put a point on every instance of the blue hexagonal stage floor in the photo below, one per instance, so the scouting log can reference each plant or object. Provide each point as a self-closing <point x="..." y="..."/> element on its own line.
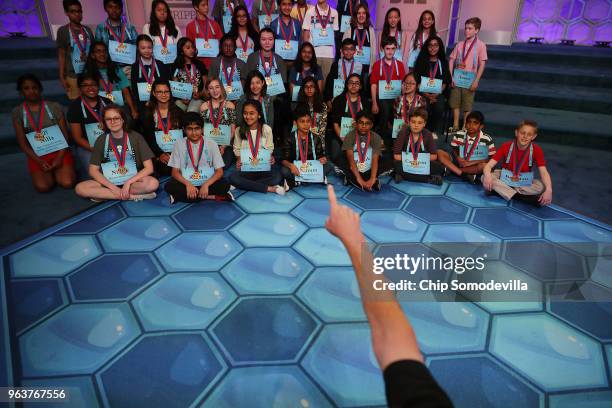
<point x="254" y="304"/>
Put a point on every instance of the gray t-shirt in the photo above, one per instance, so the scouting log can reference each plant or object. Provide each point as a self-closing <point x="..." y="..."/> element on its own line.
<point x="63" y="41"/>
<point x="211" y="156"/>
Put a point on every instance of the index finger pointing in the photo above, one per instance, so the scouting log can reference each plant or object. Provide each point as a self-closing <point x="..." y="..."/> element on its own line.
<point x="331" y="195"/>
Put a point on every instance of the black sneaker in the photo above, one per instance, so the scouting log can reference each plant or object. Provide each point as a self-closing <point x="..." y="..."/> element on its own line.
<point x="376" y="186"/>
<point x="470" y="178"/>
<point x="436" y="180"/>
<point x="398" y="178"/>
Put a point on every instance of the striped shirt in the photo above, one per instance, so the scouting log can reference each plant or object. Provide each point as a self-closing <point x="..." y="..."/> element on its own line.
<point x="459" y="140"/>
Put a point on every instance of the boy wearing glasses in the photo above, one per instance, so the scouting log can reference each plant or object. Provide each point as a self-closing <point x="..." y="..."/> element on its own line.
<point x="340" y="71"/>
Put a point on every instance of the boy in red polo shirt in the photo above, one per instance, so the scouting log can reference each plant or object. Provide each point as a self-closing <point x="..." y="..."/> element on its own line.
<point x="516" y="179"/>
<point x="204" y="32"/>
<point x="386" y="85"/>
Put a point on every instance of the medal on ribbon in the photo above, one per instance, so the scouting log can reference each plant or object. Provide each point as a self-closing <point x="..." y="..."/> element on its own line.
<point x="205" y="30"/>
<point x="244" y="46"/>
<point x="165" y="129"/>
<point x="518" y="162"/>
<point x="254" y="147"/>
<point x="148" y="78"/>
<point x="408" y="108"/>
<point x="344" y="69"/>
<point x="108" y="89"/>
<point x="122" y="170"/>
<point x="93" y="112"/>
<point x="323" y="22"/>
<point x="216" y="121"/>
<point x="414" y="150"/>
<point x="388" y="71"/>
<point x="164" y="40"/>
<point x="360" y="39"/>
<point x="286" y="36"/>
<point x="468" y="151"/>
<point x="433" y="73"/>
<point x="303" y="152"/>
<point x="464" y="54"/>
<point x="192" y="77"/>
<point x="267" y="72"/>
<point x="195" y="163"/>
<point x="77" y="40"/>
<point x="267" y="9"/>
<point x="228" y="78"/>
<point x="38" y="133"/>
<point x="121" y="40"/>
<point x="362" y="152"/>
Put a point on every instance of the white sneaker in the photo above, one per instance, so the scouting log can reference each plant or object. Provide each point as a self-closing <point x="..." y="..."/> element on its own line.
<point x="285" y="185"/>
<point x="171" y="198"/>
<point x="280" y="190"/>
<point x="434" y="135"/>
<point x="140" y="197"/>
<point x="232" y="188"/>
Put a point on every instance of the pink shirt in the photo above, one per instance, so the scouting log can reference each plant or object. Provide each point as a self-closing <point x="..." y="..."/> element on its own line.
<point x="479" y="48"/>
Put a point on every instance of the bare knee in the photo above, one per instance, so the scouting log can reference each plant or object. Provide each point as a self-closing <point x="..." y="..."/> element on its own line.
<point x="81" y="189"/>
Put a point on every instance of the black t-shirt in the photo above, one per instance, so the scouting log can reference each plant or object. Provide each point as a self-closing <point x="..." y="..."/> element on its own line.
<point x="409" y="384"/>
<point x="76" y="109"/>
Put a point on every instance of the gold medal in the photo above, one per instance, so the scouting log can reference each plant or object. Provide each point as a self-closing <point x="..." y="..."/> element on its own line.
<point x="206" y="44"/>
<point x="110" y="96"/>
<point x="244" y="55"/>
<point x="515" y="178"/>
<point x="121" y="47"/>
<point x="254" y="161"/>
<point x="361" y="167"/>
<point x="167" y="138"/>
<point x="304" y="166"/>
<point x="268" y="20"/>
<point x="196" y="175"/>
<point x="215" y="131"/>
<point x="431" y="82"/>
<point x="359" y="51"/>
<point x="414" y="163"/>
<point x="287" y="45"/>
<point x="122" y="170"/>
<point x="39" y="136"/>
<point x="228" y="89"/>
<point x="149" y="88"/>
<point x="269" y="80"/>
<point x="164" y="51"/>
<point x="388" y="87"/>
<point x="461" y="66"/>
<point x="323" y="32"/>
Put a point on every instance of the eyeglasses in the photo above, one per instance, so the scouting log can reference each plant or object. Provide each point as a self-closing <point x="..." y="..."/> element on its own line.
<point x="114" y="119"/>
<point x="354" y="83"/>
<point x="162" y="92"/>
<point x="364" y="123"/>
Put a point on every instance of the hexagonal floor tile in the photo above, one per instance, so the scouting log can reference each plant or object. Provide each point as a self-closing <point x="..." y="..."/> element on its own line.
<point x="160" y="206"/>
<point x="386" y="199"/>
<point x="594" y="317"/>
<point x="474" y="196"/>
<point x="582" y="237"/>
<point x="320" y="190"/>
<point x="506" y="223"/>
<point x="552" y="354"/>
<point x="34" y="299"/>
<point x="420" y="189"/>
<point x="333" y="294"/>
<point x="545" y="261"/>
<point x="273" y="271"/>
<point x="609" y="352"/>
<point x="255" y="203"/>
<point x="81" y="390"/>
<point x="183" y="301"/>
<point x="322" y="249"/>
<point x="437" y="209"/>
<point x="138" y="234"/>
<point x="483" y="383"/>
<point x="462" y="240"/>
<point x="599" y="269"/>
<point x="198" y="251"/>
<point x="593" y="399"/>
<point x="268" y="230"/>
<point x="95" y="222"/>
<point x="272" y="329"/>
<point x="343" y="363"/>
<point x="182" y="367"/>
<point x="209" y="216"/>
<point x="77" y="340"/>
<point x="392" y="226"/>
<point x="113" y="277"/>
<point x="445" y="327"/>
<point x="542" y="213"/>
<point x="314" y="212"/>
<point x="53" y="256"/>
<point x="275" y="386"/>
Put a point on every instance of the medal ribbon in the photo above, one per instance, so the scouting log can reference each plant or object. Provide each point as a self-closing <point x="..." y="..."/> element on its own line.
<point x="362" y="153"/>
<point x="322" y="22"/>
<point x="411" y="107"/>
<point x="415" y="150"/>
<point x="300" y="15"/>
<point x="82" y="47"/>
<point x="517" y="163"/>
<point x="120" y="157"/>
<point x="464" y="55"/>
<point x="388" y="70"/>
<point x="254" y="149"/>
<point x="90" y="109"/>
<point x="434" y="72"/>
<point x="160" y="122"/>
<point x="216" y="121"/>
<point x="205" y="31"/>
<point x="108" y="86"/>
<point x="468" y="154"/>
<point x="303" y="151"/>
<point x="148" y="78"/>
<point x="41" y="116"/>
<point x="350" y="105"/>
<point x="195" y="163"/>
<point x="228" y="79"/>
<point x="349" y="3"/>
<point x="191" y="75"/>
<point x="163" y="36"/>
<point x="230" y="6"/>
<point x="267" y="8"/>
<point x="267" y="73"/>
<point x="286" y="37"/>
<point x="245" y="42"/>
<point x="344" y="68"/>
<point x="360" y="38"/>
<point x="112" y="32"/>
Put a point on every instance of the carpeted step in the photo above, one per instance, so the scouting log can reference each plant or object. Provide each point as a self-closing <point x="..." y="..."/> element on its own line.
<point x="543" y="95"/>
<point x="9" y="97"/>
<point x="555" y="126"/>
<point x="549" y="73"/>
<point x="551" y="54"/>
<point x="45" y="68"/>
<point x="27" y="48"/>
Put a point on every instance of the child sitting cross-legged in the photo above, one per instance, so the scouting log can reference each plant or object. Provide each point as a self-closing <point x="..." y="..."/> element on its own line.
<point x="415" y="153"/>
<point x="516" y="179"/>
<point x="470" y="149"/>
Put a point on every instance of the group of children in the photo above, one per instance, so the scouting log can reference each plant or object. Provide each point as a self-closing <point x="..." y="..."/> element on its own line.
<point x="221" y="98"/>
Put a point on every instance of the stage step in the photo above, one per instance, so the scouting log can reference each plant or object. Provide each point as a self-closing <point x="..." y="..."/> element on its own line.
<point x="543" y="95"/>
<point x="543" y="73"/>
<point x="27" y="48"/>
<point x="44" y="68"/>
<point x="583" y="57"/>
<point x="591" y="130"/>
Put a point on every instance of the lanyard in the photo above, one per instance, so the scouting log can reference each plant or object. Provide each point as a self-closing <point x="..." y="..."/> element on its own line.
<point x="517" y="164"/>
<point x="254" y="148"/>
<point x="112" y="32"/>
<point x="216" y="121"/>
<point x="362" y="153"/>
<point x="349" y="106"/>
<point x="415" y="149"/>
<point x="195" y="163"/>
<point x="298" y="147"/>
<point x="468" y="150"/>
<point x="160" y="122"/>
<point x="388" y="71"/>
<point x="85" y="104"/>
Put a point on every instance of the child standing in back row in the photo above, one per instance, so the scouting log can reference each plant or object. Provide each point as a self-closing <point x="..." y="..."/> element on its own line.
<point x="466" y="64"/>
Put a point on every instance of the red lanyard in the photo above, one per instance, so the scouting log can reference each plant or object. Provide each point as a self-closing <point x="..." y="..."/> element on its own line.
<point x="245" y="42"/>
<point x="267" y="8"/>
<point x="108" y="86"/>
<point x="300" y="15"/>
<point x="411" y="107"/>
<point x="267" y="72"/>
<point x="160" y="122"/>
<point x="303" y="151"/>
<point x="41" y="116"/>
<point x="467" y="154"/>
<point x="191" y="75"/>
<point x="83" y="46"/>
<point x="112" y="32"/>
<point x="195" y="163"/>
<point x="413" y="149"/>
<point x="464" y="54"/>
<point x="90" y="109"/>
<point x="230" y="77"/>
<point x="322" y="22"/>
<point x="204" y="31"/>
<point x="148" y="78"/>
<point x="350" y="105"/>
<point x="344" y="68"/>
<point x="163" y="38"/>
<point x="517" y="163"/>
<point x="388" y="71"/>
<point x="254" y="149"/>
<point x="362" y="153"/>
<point x="216" y="121"/>
<point x="287" y="37"/>
<point x="434" y="72"/>
<point x="120" y="157"/>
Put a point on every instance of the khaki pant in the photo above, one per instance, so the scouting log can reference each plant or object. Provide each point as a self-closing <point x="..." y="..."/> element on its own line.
<point x="73" y="91"/>
<point x="507" y="192"/>
<point x="325" y="64"/>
